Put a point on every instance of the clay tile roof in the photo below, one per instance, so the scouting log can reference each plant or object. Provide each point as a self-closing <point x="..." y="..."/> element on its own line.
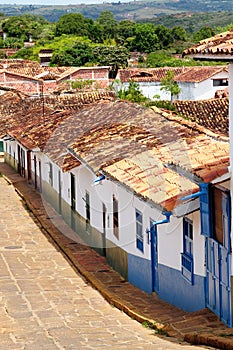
<point x="36" y="122"/>
<point x="146" y="150"/>
<point x="219" y="46"/>
<point x="145" y="175"/>
<point x="212" y="114"/>
<point x="147" y="74"/>
<point x="156" y="154"/>
<point x="198" y="74"/>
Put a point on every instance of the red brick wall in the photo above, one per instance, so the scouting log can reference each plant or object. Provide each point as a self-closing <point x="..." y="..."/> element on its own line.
<point x="100" y="76"/>
<point x="28" y="86"/>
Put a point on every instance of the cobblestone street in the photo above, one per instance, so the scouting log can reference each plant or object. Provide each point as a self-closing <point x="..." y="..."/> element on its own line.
<point x="45" y="304"/>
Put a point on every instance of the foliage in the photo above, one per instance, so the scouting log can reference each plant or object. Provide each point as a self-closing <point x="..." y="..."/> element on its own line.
<point x="203" y="33"/>
<point x="164" y="35"/>
<point x="169" y="84"/>
<point x="81" y="84"/>
<point x="114" y="56"/>
<point x="107" y="24"/>
<point x="77" y="40"/>
<point x="166" y="58"/>
<point x="78" y="55"/>
<point x="73" y="23"/>
<point x="132" y="93"/>
<point x="164" y="104"/>
<point x="145" y="39"/>
<point x="27" y="54"/>
<point x="13" y="43"/>
<point x="125" y="30"/>
<point x="24" y="26"/>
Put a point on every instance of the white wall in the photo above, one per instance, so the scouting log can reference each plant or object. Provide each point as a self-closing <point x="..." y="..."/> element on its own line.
<point x="170" y="235"/>
<point x="189" y="91"/>
<point x="170" y="240"/>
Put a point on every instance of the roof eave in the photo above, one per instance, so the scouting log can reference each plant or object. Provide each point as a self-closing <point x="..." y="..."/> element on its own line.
<point x="211" y="57"/>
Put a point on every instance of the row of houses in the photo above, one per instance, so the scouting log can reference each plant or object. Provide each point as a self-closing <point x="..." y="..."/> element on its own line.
<point x="196" y="83"/>
<point x="35" y="80"/>
<point x="145" y="188"/>
<point x="148" y="189"/>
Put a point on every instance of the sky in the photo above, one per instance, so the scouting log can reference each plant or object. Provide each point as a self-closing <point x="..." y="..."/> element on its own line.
<point x="57" y="2"/>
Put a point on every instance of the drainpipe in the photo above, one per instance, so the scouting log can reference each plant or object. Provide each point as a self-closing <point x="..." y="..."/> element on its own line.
<point x="153" y="235"/>
<point x="164" y="221"/>
<point x="203" y="191"/>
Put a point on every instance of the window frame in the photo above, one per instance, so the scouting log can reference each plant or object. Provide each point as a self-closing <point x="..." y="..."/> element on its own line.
<point x="187" y="264"/>
<point x="139" y="230"/>
<point x="115" y="217"/>
<point x="51" y="174"/>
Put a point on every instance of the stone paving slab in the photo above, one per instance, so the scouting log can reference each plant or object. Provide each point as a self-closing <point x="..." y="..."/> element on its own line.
<point x="201" y="327"/>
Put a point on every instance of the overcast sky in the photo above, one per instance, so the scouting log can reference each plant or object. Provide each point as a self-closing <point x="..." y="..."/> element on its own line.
<point x="56" y="2"/>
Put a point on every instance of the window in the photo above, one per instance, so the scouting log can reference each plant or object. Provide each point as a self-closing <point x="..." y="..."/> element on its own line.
<point x="187" y="255"/>
<point x="139" y="232"/>
<point x="51" y="174"/>
<point x="88" y="213"/>
<point x="115" y="218"/>
<point x="220" y="82"/>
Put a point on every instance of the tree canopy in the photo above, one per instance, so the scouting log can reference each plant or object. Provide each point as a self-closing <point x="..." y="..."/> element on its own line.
<point x="77" y="40"/>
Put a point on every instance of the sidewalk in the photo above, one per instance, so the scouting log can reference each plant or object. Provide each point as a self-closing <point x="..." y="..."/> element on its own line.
<point x="202" y="327"/>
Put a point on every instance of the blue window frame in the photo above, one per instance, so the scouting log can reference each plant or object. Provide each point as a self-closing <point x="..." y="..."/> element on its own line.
<point x="187" y="255"/>
<point x="139" y="231"/>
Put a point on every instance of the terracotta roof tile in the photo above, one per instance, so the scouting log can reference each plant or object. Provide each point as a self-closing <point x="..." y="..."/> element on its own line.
<point x="182" y="74"/>
<point x="154" y="153"/>
<point x="220" y="45"/>
<point x="147" y="74"/>
<point x="212" y="114"/>
<point x="199" y="73"/>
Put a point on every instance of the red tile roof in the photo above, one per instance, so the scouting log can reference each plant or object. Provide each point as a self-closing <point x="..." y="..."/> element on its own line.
<point x="182" y="74"/>
<point x="198" y="74"/>
<point x="219" y="46"/>
<point x="212" y="113"/>
<point x="155" y="154"/>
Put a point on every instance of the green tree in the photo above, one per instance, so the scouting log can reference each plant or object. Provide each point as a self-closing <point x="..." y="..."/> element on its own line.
<point x="170" y="85"/>
<point x="179" y="34"/>
<point x="132" y="93"/>
<point x="203" y="33"/>
<point x="78" y="55"/>
<point x="125" y="30"/>
<point x="73" y="23"/>
<point x="164" y="35"/>
<point x="22" y="27"/>
<point x="27" y="54"/>
<point x="145" y="39"/>
<point x="114" y="56"/>
<point x="107" y="24"/>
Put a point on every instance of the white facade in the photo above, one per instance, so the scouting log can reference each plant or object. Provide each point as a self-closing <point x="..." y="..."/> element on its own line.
<point x="193" y="91"/>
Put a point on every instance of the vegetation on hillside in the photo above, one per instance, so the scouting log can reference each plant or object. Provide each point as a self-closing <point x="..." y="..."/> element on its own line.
<point x="80" y="41"/>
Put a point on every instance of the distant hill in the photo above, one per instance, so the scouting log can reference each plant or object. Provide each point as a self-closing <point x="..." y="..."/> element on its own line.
<point x="168" y="12"/>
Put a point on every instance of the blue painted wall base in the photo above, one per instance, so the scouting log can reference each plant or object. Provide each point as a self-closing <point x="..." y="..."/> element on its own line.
<point x="139" y="273"/>
<point x="176" y="290"/>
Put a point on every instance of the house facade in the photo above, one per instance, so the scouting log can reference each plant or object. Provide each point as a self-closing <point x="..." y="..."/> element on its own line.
<point x="219" y="47"/>
<point x="34" y="79"/>
<point x="133" y="183"/>
<point x="196" y="83"/>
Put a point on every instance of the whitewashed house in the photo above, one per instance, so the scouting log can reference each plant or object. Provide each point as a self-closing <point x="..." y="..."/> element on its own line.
<point x="132" y="183"/>
<point x="196" y="83"/>
<point x="219" y="247"/>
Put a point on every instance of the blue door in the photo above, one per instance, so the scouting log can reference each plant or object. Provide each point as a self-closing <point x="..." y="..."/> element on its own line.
<point x="154" y="255"/>
<point x="218" y="280"/>
<point x="218" y="268"/>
